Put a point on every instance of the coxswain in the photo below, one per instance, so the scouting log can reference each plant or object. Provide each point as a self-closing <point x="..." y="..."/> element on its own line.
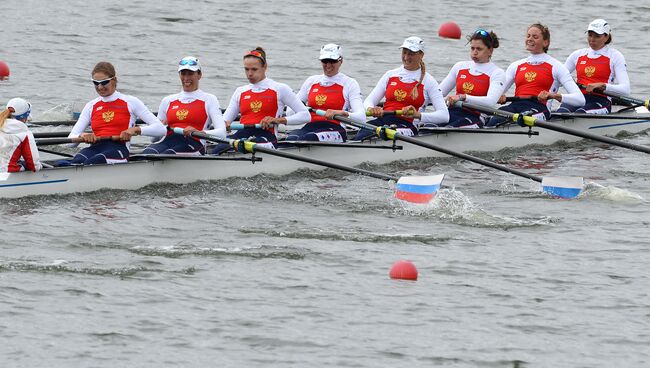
<point x="334" y="92"/>
<point x="262" y="102"/>
<point x="112" y="114"/>
<point x="599" y="68"/>
<point x="408" y="88"/>
<point x="535" y="80"/>
<point x="478" y="81"/>
<point x="18" y="150"/>
<point x="192" y="110"/>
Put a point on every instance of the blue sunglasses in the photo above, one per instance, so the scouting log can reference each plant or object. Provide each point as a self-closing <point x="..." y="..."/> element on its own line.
<point x="191" y="62"/>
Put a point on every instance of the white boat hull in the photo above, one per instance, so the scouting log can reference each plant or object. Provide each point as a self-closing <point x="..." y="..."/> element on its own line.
<point x="138" y="174"/>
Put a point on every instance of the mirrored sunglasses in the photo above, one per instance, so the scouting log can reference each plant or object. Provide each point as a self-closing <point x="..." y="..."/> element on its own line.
<point x="102" y="82"/>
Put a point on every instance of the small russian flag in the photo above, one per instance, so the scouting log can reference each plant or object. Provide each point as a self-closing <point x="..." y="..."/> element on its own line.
<point x="562" y="186"/>
<point x="418" y="189"/>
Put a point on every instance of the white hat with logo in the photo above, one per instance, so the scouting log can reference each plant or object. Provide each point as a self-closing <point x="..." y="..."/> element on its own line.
<point x="413" y="43"/>
<point x="189" y="63"/>
<point x="21" y="108"/>
<point x="331" y="51"/>
<point x="599" y="26"/>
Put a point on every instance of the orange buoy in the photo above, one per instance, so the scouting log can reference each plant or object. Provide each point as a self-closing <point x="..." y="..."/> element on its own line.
<point x="403" y="270"/>
<point x="449" y="30"/>
<point x="4" y="70"/>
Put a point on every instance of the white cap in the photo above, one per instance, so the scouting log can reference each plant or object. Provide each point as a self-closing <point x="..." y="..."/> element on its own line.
<point x="599" y="26"/>
<point x="331" y="51"/>
<point x="21" y="108"/>
<point x="413" y="43"/>
<point x="189" y="63"/>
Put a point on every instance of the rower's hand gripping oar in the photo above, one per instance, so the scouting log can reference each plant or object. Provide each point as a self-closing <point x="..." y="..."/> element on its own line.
<point x="416" y="189"/>
<point x="556" y="186"/>
<point x="630" y="99"/>
<point x="530" y="121"/>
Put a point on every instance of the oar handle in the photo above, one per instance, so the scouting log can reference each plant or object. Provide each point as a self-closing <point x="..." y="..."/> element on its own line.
<point x="240" y="126"/>
<point x="388" y="112"/>
<point x="521" y="98"/>
<point x="53" y="141"/>
<point x="625" y="98"/>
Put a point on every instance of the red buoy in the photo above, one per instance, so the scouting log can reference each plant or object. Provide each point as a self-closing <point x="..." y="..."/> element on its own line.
<point x="4" y="70"/>
<point x="449" y="30"/>
<point x="403" y="270"/>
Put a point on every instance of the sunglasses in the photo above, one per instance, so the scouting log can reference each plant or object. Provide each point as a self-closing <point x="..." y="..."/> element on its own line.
<point x="255" y="53"/>
<point x="191" y="62"/>
<point x="329" y="61"/>
<point x="102" y="82"/>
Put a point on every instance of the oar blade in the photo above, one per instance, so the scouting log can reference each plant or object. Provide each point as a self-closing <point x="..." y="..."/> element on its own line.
<point x="418" y="189"/>
<point x="567" y="187"/>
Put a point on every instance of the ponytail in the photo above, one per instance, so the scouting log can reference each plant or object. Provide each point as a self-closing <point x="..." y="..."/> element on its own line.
<point x="423" y="72"/>
<point x="4" y="115"/>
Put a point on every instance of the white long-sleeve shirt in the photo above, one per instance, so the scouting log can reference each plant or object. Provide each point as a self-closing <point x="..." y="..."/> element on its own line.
<point x="16" y="141"/>
<point x="286" y="97"/>
<point x="214" y="124"/>
<point x="136" y="108"/>
<point x="561" y="77"/>
<point x="618" y="81"/>
<point x="432" y="94"/>
<point x="497" y="79"/>
<point x="351" y="93"/>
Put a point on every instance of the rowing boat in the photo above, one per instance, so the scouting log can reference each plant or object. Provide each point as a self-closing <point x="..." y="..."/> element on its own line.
<point x="187" y="169"/>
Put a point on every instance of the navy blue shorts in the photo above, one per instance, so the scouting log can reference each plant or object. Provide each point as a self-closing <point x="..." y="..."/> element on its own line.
<point x="176" y="143"/>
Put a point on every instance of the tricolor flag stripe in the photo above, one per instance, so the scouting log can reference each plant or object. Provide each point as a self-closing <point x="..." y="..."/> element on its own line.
<point x="418" y="189"/>
<point x="414" y="197"/>
<point x="562" y="186"/>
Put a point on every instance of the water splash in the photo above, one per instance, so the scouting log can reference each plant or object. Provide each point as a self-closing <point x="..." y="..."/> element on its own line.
<point x="610" y="193"/>
<point x="454" y="206"/>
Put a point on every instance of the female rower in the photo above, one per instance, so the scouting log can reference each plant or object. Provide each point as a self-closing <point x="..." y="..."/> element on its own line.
<point x="16" y="141"/>
<point x="334" y="92"/>
<point x="261" y="102"/>
<point x="599" y="67"/>
<point x="408" y="88"/>
<point x="478" y="81"/>
<point x="534" y="78"/>
<point x="111" y="116"/>
<point x="191" y="109"/>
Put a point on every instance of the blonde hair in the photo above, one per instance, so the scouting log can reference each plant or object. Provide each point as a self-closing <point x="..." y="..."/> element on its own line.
<point x="4" y="115"/>
<point x="423" y="71"/>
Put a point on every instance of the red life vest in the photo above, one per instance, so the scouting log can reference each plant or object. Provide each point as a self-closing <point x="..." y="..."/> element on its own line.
<point x="590" y="70"/>
<point x="181" y="115"/>
<point x="110" y="118"/>
<point x="530" y="79"/>
<point x="254" y="106"/>
<point x="469" y="84"/>
<point x="323" y="98"/>
<point x="398" y="95"/>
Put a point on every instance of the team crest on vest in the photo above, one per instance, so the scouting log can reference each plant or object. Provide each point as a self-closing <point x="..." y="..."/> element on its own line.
<point x="530" y="76"/>
<point x="182" y="114"/>
<point x="468" y="87"/>
<point x="320" y="99"/>
<point x="590" y="70"/>
<point x="399" y="94"/>
<point x="108" y="116"/>
<point x="256" y="106"/>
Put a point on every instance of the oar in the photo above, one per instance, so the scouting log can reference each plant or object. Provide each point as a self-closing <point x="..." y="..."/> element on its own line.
<point x="416" y="189"/>
<point x="53" y="141"/>
<point x="615" y="116"/>
<point x="630" y="99"/>
<point x="531" y="121"/>
<point x="564" y="187"/>
<point x="60" y="134"/>
<point x="520" y="98"/>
